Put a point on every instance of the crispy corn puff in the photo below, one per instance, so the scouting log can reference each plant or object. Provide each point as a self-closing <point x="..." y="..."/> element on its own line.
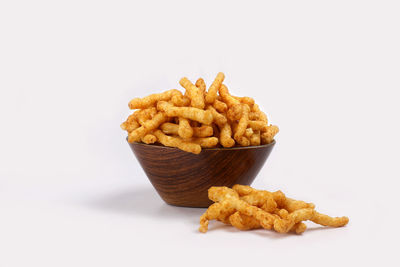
<point x="242" y="125"/>
<point x="299" y="228"/>
<point x="194" y="93"/>
<point x="201" y="85"/>
<point x="219" y="119"/>
<point x="146" y="114"/>
<point x="258" y="125"/>
<point x="247" y="208"/>
<point x="149" y="139"/>
<point x="268" y="136"/>
<point x="220" y="106"/>
<point x="203" y="131"/>
<point x="149" y="125"/>
<point x="255" y="139"/>
<point x="184" y="128"/>
<point x="243" y="222"/>
<point x="151" y="100"/>
<point x="215" y="86"/>
<point x="205" y="142"/>
<point x="225" y="136"/>
<point x="261" y="115"/>
<point x="284" y="225"/>
<point x="191" y="113"/>
<point x="326" y="220"/>
<point x="235" y="112"/>
<point x="226" y="97"/>
<point x="180" y="101"/>
<point x="177" y="142"/>
<point x="248" y="133"/>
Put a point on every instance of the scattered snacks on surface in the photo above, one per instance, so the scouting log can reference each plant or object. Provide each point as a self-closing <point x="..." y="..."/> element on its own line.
<point x="199" y="119"/>
<point x="247" y="208"/>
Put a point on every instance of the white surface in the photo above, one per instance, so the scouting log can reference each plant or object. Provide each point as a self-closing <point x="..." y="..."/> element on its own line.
<point x="72" y="193"/>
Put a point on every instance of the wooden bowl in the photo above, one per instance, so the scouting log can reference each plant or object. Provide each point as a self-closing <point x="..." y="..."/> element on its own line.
<point x="182" y="178"/>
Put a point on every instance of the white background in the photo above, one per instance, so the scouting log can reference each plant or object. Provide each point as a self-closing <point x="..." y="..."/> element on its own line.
<point x="71" y="191"/>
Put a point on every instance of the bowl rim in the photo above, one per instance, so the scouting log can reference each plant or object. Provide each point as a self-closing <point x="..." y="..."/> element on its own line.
<point x="206" y="149"/>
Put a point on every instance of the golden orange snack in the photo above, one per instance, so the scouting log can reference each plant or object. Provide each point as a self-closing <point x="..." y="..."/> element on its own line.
<point x="255" y="139"/>
<point x="147" y="126"/>
<point x="242" y="124"/>
<point x="226" y="96"/>
<point x="243" y="222"/>
<point x="202" y="116"/>
<point x="151" y="100"/>
<point x="180" y="101"/>
<point x="247" y="208"/>
<point x="195" y="94"/>
<point x="225" y="136"/>
<point x="268" y="136"/>
<point x="177" y="142"/>
<point x="205" y="142"/>
<point x="220" y="106"/>
<point x="201" y="85"/>
<point x="149" y="139"/>
<point x="234" y="112"/>
<point x="218" y="118"/>
<point x="214" y="87"/>
<point x="198" y="113"/>
<point x="184" y="128"/>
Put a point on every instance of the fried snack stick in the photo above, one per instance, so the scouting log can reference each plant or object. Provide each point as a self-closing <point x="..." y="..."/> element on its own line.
<point x="149" y="139"/>
<point x="282" y="201"/>
<point x="245" y="100"/>
<point x="219" y="193"/>
<point x="184" y="128"/>
<point x="205" y="142"/>
<point x="255" y="139"/>
<point x="258" y="125"/>
<point x="226" y="97"/>
<point x="235" y="112"/>
<point x="194" y="93"/>
<point x="256" y="109"/>
<point x="243" y="222"/>
<point x="203" y="131"/>
<point x="214" y="87"/>
<point x="172" y="128"/>
<point x="180" y="101"/>
<point x="261" y="199"/>
<point x="326" y="220"/>
<point x="292" y="205"/>
<point x="249" y="132"/>
<point x="284" y="225"/>
<point x="151" y="100"/>
<point x="219" y="119"/>
<point x="217" y="211"/>
<point x="201" y="85"/>
<point x="220" y="106"/>
<point x="242" y="125"/>
<point x="130" y="124"/>
<point x="230" y="198"/>
<point x="146" y="114"/>
<point x="299" y="228"/>
<point x="268" y="136"/>
<point x="225" y="136"/>
<point x="136" y="135"/>
<point x="244" y="190"/>
<point x="177" y="142"/>
<point x="191" y="113"/>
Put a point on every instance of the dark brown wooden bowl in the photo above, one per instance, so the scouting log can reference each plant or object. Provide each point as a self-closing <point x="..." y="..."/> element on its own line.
<point x="182" y="178"/>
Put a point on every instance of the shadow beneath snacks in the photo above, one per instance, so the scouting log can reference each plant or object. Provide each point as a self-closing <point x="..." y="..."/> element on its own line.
<point x="143" y="201"/>
<point x="218" y="226"/>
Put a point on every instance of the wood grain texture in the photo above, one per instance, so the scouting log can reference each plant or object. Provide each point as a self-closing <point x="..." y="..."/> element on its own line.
<point x="182" y="179"/>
